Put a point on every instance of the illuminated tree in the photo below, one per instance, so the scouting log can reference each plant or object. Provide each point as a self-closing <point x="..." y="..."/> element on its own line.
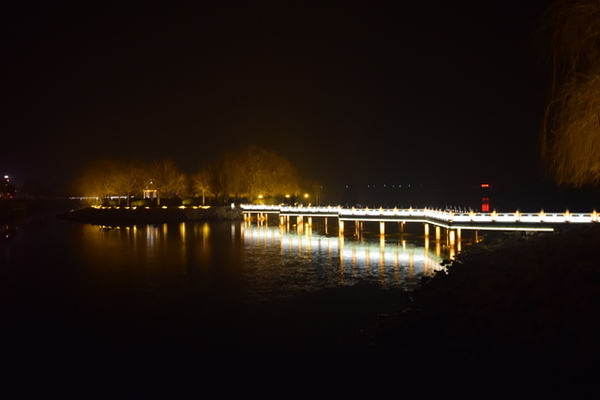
<point x="201" y="182"/>
<point x="167" y="179"/>
<point x="317" y="191"/>
<point x="98" y="179"/>
<point x="221" y="174"/>
<point x="130" y="178"/>
<point x="264" y="172"/>
<point x="229" y="175"/>
<point x="570" y="139"/>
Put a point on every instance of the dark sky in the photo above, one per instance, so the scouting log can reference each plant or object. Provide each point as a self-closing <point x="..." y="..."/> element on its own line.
<point x="349" y="91"/>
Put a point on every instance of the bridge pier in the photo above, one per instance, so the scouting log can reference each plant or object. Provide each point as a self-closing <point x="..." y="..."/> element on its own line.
<point x="426" y="229"/>
<point x="438" y="233"/>
<point x="341" y="228"/>
<point x="451" y="237"/>
<point x="382" y="228"/>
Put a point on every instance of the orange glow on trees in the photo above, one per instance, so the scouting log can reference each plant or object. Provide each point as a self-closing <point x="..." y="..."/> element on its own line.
<point x="168" y="181"/>
<point x="570" y="138"/>
<point x="245" y="174"/>
<point x="201" y="183"/>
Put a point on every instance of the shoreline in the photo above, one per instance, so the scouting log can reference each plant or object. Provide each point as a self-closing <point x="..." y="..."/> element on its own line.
<point x="522" y="311"/>
<point x="118" y="216"/>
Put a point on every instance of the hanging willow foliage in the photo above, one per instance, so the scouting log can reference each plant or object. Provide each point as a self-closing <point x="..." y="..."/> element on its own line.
<point x="570" y="139"/>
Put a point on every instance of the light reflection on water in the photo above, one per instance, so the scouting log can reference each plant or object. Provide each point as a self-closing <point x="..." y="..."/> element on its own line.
<point x="248" y="261"/>
<point x="291" y="261"/>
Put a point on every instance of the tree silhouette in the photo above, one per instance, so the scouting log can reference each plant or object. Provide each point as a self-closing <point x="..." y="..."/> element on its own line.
<point x="570" y="139"/>
<point x="167" y="179"/>
<point x="201" y="182"/>
<point x="264" y="172"/>
<point x="129" y="178"/>
<point x="254" y="171"/>
<point x="98" y="179"/>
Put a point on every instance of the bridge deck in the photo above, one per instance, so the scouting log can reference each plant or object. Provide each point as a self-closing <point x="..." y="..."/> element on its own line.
<point x="516" y="221"/>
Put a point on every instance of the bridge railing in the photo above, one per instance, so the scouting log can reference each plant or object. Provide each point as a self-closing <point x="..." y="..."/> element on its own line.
<point x="441" y="215"/>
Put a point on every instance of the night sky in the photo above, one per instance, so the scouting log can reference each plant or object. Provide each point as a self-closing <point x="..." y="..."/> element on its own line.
<point x="350" y="92"/>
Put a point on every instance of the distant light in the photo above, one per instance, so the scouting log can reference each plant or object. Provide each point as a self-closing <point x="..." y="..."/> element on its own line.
<point x="486" y="185"/>
<point x="5" y="176"/>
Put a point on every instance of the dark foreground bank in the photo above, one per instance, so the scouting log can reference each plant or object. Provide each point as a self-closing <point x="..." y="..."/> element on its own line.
<point x="524" y="314"/>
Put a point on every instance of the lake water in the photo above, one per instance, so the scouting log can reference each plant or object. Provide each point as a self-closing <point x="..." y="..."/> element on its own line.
<point x="209" y="301"/>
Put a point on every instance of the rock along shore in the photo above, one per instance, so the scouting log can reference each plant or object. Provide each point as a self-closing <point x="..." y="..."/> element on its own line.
<point x="152" y="215"/>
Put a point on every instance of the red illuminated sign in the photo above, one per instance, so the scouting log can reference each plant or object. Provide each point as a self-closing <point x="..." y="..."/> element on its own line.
<point x="485" y="204"/>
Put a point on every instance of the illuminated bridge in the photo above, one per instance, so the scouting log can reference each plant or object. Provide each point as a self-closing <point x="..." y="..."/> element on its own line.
<point x="452" y="221"/>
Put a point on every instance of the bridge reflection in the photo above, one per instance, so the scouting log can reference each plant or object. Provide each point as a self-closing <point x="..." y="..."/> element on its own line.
<point x="391" y="264"/>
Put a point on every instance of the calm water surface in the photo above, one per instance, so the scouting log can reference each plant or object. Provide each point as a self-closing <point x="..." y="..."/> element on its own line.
<point x="199" y="296"/>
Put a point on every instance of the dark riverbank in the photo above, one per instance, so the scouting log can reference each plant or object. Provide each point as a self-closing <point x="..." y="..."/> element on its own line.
<point x="524" y="314"/>
<point x="116" y="216"/>
<point x="12" y="210"/>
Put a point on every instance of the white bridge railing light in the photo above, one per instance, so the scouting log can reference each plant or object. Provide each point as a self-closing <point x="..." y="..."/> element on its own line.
<point x="426" y="214"/>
